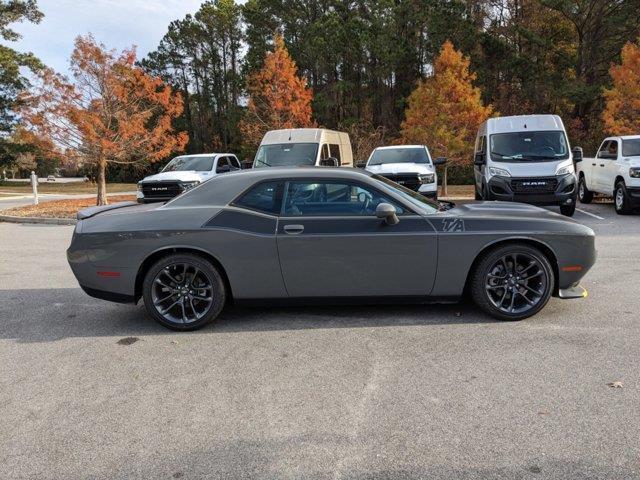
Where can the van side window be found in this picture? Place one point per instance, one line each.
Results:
(325, 152)
(334, 151)
(481, 146)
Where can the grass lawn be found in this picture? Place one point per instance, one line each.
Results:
(62, 208)
(65, 188)
(457, 191)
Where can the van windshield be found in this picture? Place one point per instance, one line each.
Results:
(399, 155)
(189, 163)
(529, 146)
(631, 147)
(286, 155)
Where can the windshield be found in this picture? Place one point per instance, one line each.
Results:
(631, 148)
(529, 146)
(286, 155)
(423, 203)
(186, 163)
(399, 155)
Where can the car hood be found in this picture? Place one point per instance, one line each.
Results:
(180, 176)
(495, 209)
(404, 167)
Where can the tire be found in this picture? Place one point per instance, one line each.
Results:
(584, 194)
(183, 292)
(568, 210)
(512, 300)
(621, 199)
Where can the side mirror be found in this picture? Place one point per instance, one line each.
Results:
(246, 164)
(387, 212)
(478, 159)
(329, 162)
(577, 154)
(223, 169)
(361, 164)
(440, 161)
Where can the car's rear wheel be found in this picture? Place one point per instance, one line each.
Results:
(512, 282)
(584, 194)
(183, 292)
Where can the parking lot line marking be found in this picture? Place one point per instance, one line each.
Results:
(590, 214)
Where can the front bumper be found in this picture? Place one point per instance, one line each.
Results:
(557, 191)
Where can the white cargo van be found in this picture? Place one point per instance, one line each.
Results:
(526, 158)
(304, 146)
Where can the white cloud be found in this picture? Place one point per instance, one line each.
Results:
(116, 23)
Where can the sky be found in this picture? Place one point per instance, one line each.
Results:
(116, 23)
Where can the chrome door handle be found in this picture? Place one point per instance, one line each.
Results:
(293, 229)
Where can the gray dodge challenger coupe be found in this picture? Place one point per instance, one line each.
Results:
(312, 234)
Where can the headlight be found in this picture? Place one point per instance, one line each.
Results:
(189, 185)
(634, 172)
(427, 178)
(499, 172)
(567, 169)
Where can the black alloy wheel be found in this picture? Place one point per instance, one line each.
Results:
(183, 292)
(512, 282)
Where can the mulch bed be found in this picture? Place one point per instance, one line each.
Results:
(62, 208)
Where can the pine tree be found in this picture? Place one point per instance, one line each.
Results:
(278, 98)
(445, 110)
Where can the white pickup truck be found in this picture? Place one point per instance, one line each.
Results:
(615, 171)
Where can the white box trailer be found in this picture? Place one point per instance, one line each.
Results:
(304, 146)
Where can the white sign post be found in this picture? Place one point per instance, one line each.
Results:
(34, 186)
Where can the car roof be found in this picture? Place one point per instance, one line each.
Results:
(519, 123)
(386, 147)
(203, 154)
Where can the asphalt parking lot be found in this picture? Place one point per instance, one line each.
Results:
(90, 389)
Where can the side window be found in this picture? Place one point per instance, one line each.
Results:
(604, 149)
(234, 162)
(613, 150)
(222, 162)
(333, 198)
(265, 197)
(324, 152)
(334, 151)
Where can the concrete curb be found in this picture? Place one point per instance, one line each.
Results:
(40, 220)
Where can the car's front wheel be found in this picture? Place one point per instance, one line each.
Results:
(512, 282)
(183, 292)
(621, 199)
(568, 210)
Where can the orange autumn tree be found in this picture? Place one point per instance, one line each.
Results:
(621, 115)
(278, 98)
(112, 113)
(445, 110)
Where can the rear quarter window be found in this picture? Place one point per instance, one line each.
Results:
(265, 197)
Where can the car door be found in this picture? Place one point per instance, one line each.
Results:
(596, 167)
(608, 167)
(331, 243)
(478, 169)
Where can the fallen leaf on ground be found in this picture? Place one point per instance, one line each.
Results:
(615, 384)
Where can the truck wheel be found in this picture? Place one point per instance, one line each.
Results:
(621, 199)
(512, 282)
(584, 195)
(568, 210)
(183, 292)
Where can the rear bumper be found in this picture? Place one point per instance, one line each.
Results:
(109, 296)
(564, 193)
